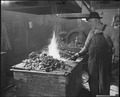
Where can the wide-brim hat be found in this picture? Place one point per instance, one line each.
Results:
(93, 15)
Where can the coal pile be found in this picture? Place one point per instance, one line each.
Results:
(43, 62)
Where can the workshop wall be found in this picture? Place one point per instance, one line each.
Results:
(25, 36)
(107, 15)
(28, 32)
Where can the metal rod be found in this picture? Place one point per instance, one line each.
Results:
(7, 88)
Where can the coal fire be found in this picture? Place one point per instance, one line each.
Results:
(46, 61)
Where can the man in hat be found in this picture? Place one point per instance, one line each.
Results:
(99, 46)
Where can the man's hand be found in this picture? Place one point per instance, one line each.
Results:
(74, 57)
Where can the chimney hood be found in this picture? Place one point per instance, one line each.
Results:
(40, 7)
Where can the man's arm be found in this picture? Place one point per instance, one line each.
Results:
(87, 42)
(85, 48)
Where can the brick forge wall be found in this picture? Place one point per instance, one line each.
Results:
(74, 81)
(39, 85)
(48, 85)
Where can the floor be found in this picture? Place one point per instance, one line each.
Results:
(114, 87)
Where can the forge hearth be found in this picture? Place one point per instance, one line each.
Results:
(57, 83)
(43, 62)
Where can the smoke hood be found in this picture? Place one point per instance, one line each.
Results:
(43, 7)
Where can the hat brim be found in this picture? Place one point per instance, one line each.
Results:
(94, 17)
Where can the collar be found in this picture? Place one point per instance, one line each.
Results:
(99, 27)
(98, 31)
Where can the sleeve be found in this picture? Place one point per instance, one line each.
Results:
(87, 42)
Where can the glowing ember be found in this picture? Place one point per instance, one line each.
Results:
(53, 48)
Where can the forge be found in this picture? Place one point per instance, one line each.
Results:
(57, 83)
(48, 74)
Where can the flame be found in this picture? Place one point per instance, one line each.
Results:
(53, 48)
